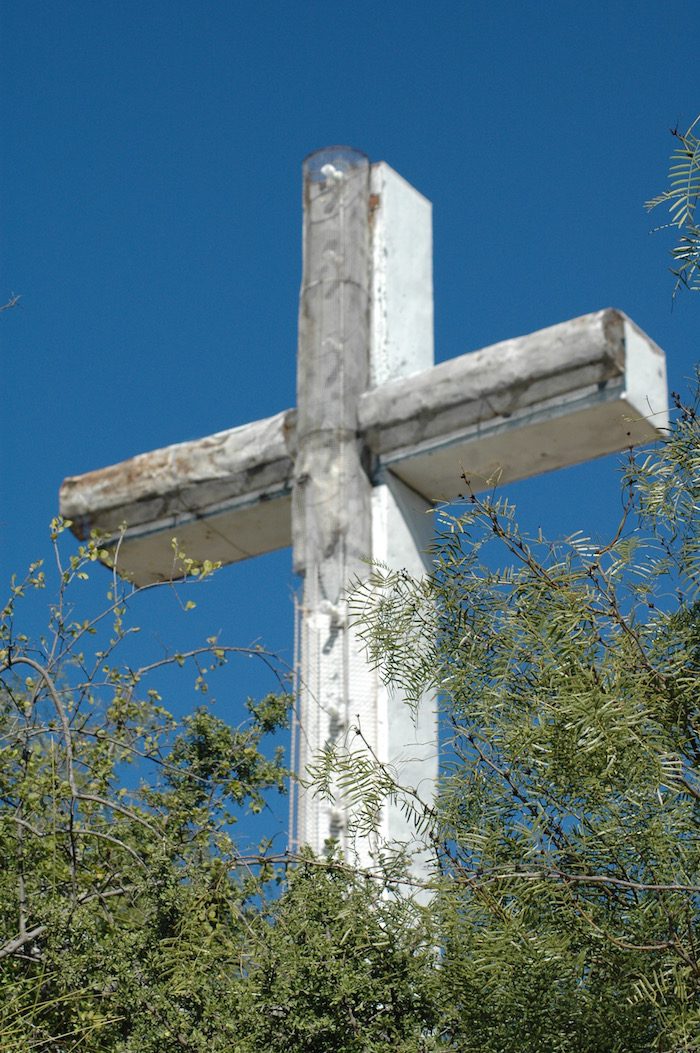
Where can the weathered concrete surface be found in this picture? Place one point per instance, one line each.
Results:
(407, 736)
(402, 343)
(242, 529)
(225, 497)
(574, 391)
(338, 689)
(331, 498)
(571, 392)
(331, 518)
(401, 230)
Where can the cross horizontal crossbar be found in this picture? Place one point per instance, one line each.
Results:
(574, 391)
(214, 494)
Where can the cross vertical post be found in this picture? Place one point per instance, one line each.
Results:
(331, 531)
(354, 330)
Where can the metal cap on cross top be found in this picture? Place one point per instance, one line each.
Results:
(379, 435)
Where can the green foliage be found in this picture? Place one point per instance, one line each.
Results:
(340, 966)
(567, 878)
(123, 895)
(131, 920)
(682, 198)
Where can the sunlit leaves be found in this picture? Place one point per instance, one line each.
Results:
(114, 817)
(681, 197)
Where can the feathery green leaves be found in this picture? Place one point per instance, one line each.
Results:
(681, 196)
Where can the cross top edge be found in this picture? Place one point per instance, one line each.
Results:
(333, 162)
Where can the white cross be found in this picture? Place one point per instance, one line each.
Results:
(378, 436)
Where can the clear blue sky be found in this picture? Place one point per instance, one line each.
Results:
(151, 217)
